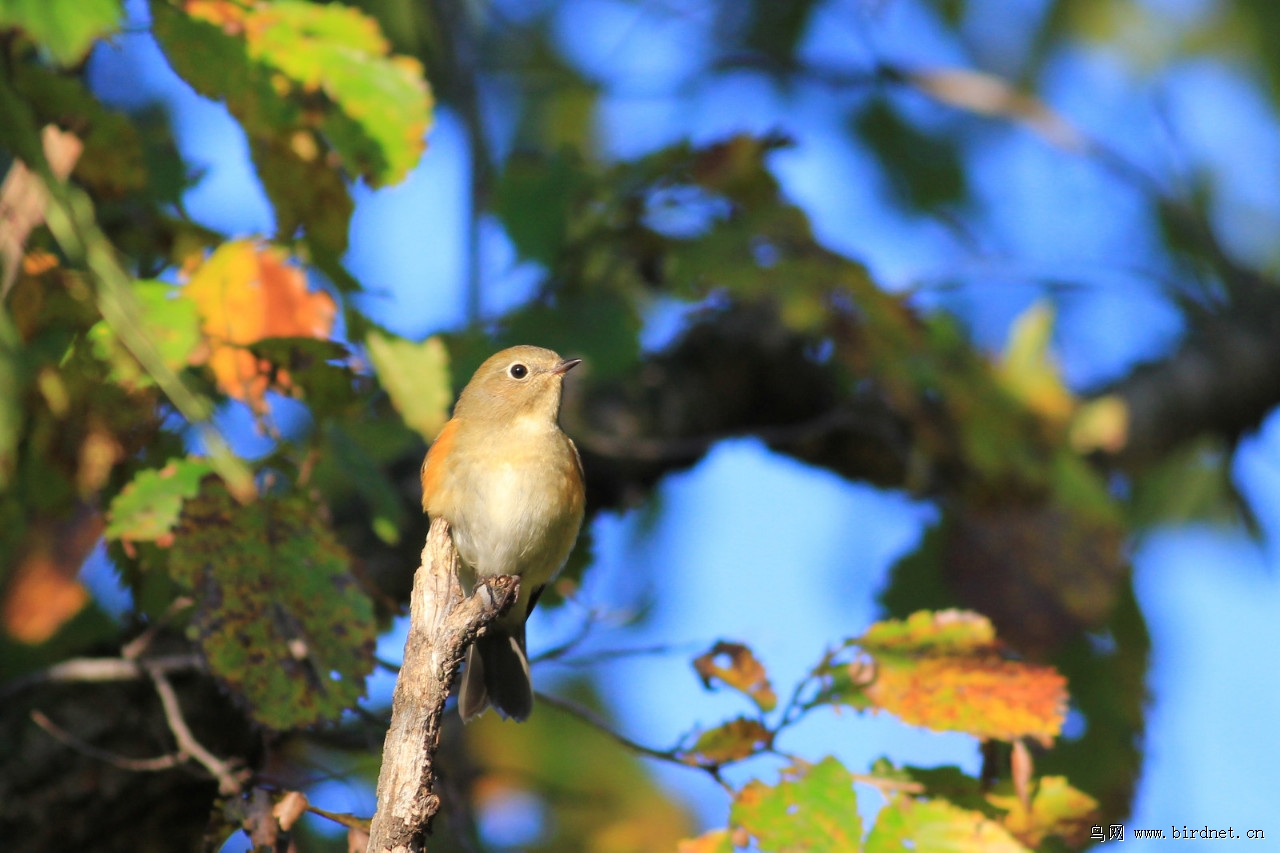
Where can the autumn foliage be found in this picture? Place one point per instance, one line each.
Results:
(232, 682)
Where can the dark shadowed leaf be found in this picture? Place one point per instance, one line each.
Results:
(278, 615)
(923, 168)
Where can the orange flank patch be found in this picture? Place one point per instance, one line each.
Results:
(433, 465)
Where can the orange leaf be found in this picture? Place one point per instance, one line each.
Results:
(41, 598)
(946, 671)
(984, 696)
(713, 841)
(741, 670)
(246, 292)
(43, 592)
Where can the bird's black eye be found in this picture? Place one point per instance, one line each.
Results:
(518, 371)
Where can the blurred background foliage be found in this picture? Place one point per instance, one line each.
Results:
(701, 281)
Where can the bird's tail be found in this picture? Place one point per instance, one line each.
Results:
(497, 673)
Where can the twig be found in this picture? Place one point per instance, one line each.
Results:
(442, 623)
(348, 820)
(228, 781)
(885, 786)
(590, 718)
(605, 655)
(671, 756)
(139, 644)
(102, 669)
(679, 448)
(164, 762)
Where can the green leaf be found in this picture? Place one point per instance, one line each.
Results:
(534, 201)
(416, 377)
(1057, 809)
(169, 319)
(938, 827)
(113, 161)
(305, 190)
(148, 507)
(11, 413)
(813, 810)
(599, 324)
(66, 28)
(288, 65)
(280, 619)
(923, 168)
(363, 473)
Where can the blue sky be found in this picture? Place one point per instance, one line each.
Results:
(808, 577)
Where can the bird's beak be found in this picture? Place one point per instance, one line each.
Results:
(565, 366)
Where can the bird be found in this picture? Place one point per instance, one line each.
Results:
(510, 483)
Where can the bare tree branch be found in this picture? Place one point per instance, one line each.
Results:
(442, 623)
(163, 762)
(103, 669)
(229, 782)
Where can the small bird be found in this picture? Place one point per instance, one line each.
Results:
(509, 482)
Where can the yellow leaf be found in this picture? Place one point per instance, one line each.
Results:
(714, 841)
(732, 741)
(1027, 370)
(735, 665)
(1056, 809)
(1101, 424)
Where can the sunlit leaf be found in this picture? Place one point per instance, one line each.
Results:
(170, 319)
(1100, 424)
(712, 841)
(732, 741)
(937, 826)
(812, 810)
(944, 671)
(416, 377)
(1056, 809)
(279, 617)
(66, 28)
(148, 507)
(1027, 369)
(373, 109)
(735, 665)
(245, 293)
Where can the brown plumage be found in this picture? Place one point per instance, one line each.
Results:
(509, 482)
